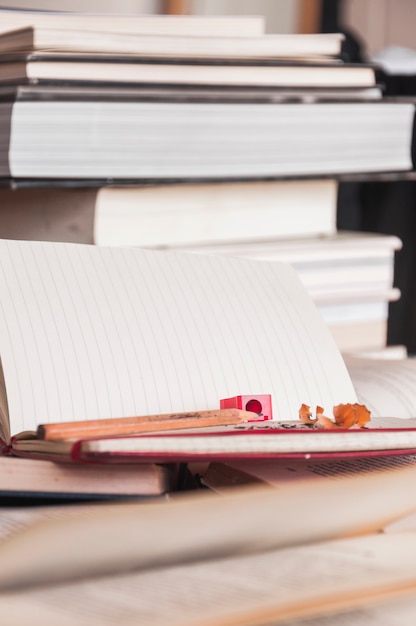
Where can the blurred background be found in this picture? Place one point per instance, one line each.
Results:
(379, 23)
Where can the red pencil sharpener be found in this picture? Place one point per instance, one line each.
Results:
(262, 405)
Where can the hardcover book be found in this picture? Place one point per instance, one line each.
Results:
(67, 134)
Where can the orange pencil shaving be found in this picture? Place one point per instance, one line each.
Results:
(143, 424)
(345, 416)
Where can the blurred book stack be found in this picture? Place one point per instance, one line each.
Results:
(202, 133)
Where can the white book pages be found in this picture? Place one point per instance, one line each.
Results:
(89, 332)
(221, 213)
(386, 386)
(196, 140)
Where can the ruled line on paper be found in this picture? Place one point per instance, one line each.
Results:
(273, 310)
(24, 390)
(264, 352)
(8, 315)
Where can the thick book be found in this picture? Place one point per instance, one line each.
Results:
(170, 215)
(37, 480)
(129, 68)
(250, 556)
(66, 135)
(186, 92)
(167, 46)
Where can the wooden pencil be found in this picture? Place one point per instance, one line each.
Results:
(143, 423)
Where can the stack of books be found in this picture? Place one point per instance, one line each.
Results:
(187, 131)
(123, 106)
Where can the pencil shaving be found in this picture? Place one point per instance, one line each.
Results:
(344, 416)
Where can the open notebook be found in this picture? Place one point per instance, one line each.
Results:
(91, 332)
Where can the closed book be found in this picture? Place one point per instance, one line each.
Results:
(169, 215)
(33, 38)
(220, 476)
(24, 479)
(130, 68)
(61, 135)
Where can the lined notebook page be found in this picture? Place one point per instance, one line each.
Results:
(89, 332)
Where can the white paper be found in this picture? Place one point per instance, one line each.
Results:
(89, 332)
